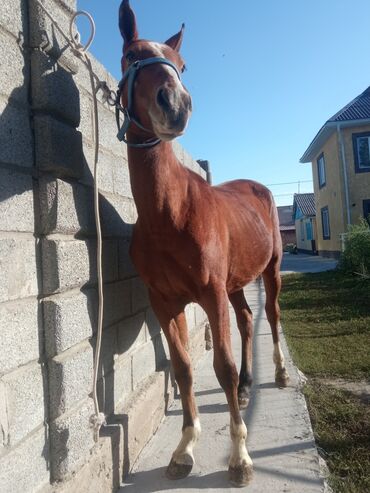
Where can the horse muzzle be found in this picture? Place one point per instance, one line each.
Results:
(174, 107)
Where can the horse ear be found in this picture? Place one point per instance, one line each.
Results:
(127, 22)
(175, 41)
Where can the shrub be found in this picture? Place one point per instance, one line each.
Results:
(356, 256)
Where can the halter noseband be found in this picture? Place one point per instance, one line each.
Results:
(129, 77)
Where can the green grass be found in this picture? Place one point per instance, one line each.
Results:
(326, 321)
(342, 429)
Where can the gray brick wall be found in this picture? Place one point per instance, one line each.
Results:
(48, 292)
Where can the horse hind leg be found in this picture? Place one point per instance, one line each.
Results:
(244, 320)
(175, 330)
(272, 282)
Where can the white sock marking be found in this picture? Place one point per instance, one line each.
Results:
(184, 451)
(239, 453)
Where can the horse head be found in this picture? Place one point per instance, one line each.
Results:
(152, 93)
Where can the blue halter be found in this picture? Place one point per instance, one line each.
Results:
(129, 77)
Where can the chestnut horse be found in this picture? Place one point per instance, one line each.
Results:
(193, 242)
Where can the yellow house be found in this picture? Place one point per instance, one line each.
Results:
(340, 157)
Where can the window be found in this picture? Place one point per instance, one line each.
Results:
(325, 223)
(321, 170)
(361, 150)
(366, 207)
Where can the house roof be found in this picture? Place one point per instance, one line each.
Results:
(306, 204)
(286, 221)
(357, 112)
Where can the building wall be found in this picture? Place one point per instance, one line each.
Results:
(48, 295)
(358, 183)
(304, 244)
(331, 196)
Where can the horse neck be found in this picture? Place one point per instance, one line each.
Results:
(158, 182)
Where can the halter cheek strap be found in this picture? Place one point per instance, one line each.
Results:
(129, 77)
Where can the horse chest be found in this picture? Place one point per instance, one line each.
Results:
(172, 266)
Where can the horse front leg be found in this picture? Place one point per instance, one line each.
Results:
(173, 322)
(215, 303)
(244, 320)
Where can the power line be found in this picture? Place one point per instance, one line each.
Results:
(288, 183)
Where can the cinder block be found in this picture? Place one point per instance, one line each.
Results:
(58, 147)
(105, 175)
(109, 349)
(140, 298)
(54, 89)
(83, 80)
(25, 401)
(108, 132)
(118, 214)
(72, 440)
(18, 272)
(152, 323)
(145, 411)
(131, 333)
(126, 268)
(69, 319)
(16, 197)
(86, 124)
(121, 176)
(70, 378)
(117, 302)
(72, 263)
(14, 75)
(143, 362)
(21, 333)
(16, 141)
(66, 208)
(13, 17)
(25, 468)
(42, 31)
(122, 379)
(162, 354)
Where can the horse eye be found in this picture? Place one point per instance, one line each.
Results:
(130, 57)
(184, 67)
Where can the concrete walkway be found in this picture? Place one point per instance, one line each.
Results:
(280, 439)
(306, 263)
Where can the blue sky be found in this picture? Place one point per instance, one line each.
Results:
(264, 75)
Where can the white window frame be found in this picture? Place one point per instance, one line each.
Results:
(321, 170)
(325, 223)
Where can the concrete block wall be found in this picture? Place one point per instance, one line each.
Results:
(48, 292)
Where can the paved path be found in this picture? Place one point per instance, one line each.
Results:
(306, 263)
(280, 439)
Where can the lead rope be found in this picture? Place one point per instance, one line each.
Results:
(79, 50)
(97, 420)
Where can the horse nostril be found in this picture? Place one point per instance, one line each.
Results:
(163, 99)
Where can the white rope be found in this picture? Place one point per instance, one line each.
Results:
(97, 419)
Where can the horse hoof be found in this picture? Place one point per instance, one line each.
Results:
(282, 378)
(243, 397)
(243, 401)
(178, 471)
(240, 475)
